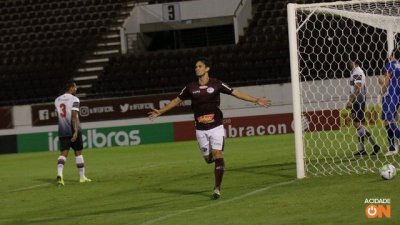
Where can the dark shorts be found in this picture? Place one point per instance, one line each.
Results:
(389, 107)
(66, 144)
(358, 111)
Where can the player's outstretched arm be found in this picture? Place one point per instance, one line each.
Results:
(154, 113)
(263, 101)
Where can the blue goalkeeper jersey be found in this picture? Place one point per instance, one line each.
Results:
(393, 68)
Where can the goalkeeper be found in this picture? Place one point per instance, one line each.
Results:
(391, 99)
(357, 105)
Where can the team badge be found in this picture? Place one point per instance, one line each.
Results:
(210, 90)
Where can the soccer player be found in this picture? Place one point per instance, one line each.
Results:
(69, 132)
(356, 103)
(210, 133)
(391, 98)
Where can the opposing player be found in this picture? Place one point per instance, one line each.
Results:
(69, 132)
(205, 96)
(391, 98)
(357, 105)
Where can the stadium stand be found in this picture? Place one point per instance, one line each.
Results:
(260, 57)
(42, 43)
(45, 42)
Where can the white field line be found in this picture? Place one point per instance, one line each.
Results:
(218, 202)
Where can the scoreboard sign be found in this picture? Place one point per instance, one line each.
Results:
(171, 12)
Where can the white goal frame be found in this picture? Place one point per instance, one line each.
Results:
(294, 61)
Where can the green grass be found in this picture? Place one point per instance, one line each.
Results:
(323, 149)
(171, 184)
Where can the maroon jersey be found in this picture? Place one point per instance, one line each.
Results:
(205, 102)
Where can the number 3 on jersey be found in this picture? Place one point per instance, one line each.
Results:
(63, 112)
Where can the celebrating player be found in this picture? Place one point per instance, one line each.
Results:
(357, 105)
(69, 132)
(205, 96)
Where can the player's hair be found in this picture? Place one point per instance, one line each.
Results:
(204, 60)
(69, 85)
(353, 57)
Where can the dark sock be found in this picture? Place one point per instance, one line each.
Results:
(361, 142)
(219, 172)
(395, 130)
(361, 138)
(390, 136)
(370, 138)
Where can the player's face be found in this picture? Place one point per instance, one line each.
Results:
(74, 89)
(350, 64)
(201, 69)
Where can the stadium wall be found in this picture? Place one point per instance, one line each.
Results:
(241, 119)
(187, 13)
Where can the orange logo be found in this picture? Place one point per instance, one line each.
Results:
(209, 118)
(377, 211)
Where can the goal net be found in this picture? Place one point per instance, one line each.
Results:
(322, 38)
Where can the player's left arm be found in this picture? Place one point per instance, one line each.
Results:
(75, 126)
(157, 112)
(263, 101)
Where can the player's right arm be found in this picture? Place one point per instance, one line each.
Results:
(157, 112)
(384, 82)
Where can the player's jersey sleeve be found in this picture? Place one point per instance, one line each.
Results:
(393, 68)
(185, 93)
(226, 89)
(75, 104)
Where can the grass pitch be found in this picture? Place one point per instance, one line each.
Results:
(171, 184)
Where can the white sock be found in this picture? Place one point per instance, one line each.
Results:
(60, 165)
(80, 165)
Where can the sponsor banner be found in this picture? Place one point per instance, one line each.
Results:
(265, 125)
(6, 118)
(35, 142)
(321, 120)
(372, 116)
(184, 131)
(8, 144)
(110, 109)
(100, 137)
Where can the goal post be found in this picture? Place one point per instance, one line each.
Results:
(322, 36)
(298, 133)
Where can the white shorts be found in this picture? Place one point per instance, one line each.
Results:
(211, 139)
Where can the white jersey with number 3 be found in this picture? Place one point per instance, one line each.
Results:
(358, 77)
(65, 104)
